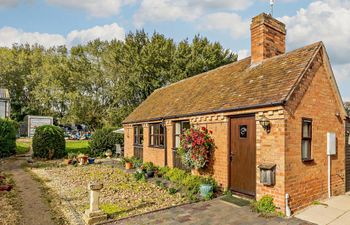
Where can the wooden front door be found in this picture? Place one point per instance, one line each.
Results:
(243, 154)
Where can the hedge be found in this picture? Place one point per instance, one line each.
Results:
(105, 139)
(8, 131)
(49, 142)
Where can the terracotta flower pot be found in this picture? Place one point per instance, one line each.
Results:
(195, 172)
(68, 161)
(128, 165)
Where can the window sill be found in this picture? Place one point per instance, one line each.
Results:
(307, 160)
(159, 147)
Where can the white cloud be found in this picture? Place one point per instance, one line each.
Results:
(185, 10)
(243, 53)
(106, 32)
(96, 8)
(230, 22)
(12, 3)
(10, 36)
(322, 20)
(326, 21)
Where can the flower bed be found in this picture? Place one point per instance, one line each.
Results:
(122, 195)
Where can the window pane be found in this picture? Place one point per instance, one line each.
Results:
(156, 129)
(306, 151)
(178, 128)
(152, 140)
(306, 129)
(152, 129)
(156, 140)
(177, 141)
(186, 125)
(161, 140)
(161, 129)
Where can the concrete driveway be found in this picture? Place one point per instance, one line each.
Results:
(335, 211)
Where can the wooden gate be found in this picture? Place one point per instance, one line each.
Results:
(347, 156)
(243, 155)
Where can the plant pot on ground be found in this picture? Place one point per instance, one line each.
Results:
(109, 153)
(206, 190)
(128, 165)
(91, 160)
(149, 168)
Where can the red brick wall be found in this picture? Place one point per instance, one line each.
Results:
(306, 182)
(270, 150)
(268, 37)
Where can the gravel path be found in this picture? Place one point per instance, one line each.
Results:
(35, 210)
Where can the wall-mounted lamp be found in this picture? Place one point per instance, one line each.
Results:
(265, 123)
(337, 114)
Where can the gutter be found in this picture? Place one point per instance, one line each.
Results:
(279, 103)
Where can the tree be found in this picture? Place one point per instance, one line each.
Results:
(101, 82)
(347, 107)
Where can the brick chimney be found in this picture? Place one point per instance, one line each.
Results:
(268, 38)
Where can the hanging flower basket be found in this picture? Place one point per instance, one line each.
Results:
(196, 147)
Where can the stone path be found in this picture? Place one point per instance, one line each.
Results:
(35, 210)
(335, 211)
(214, 212)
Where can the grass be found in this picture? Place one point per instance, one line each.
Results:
(23, 146)
(81, 146)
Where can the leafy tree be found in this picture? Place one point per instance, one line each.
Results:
(101, 82)
(347, 107)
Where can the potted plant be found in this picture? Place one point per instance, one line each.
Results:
(70, 158)
(127, 163)
(109, 153)
(149, 169)
(82, 158)
(207, 187)
(91, 160)
(196, 147)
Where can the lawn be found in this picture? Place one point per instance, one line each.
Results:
(122, 195)
(23, 145)
(82, 146)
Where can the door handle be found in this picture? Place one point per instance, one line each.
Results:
(231, 157)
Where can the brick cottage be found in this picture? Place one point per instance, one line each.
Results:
(270, 114)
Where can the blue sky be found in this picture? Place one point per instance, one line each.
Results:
(71, 22)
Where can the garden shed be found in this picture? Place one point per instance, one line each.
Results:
(4, 103)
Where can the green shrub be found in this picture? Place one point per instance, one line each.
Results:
(49, 143)
(104, 139)
(8, 131)
(264, 206)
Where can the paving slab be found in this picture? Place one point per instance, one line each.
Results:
(341, 202)
(214, 212)
(320, 214)
(342, 220)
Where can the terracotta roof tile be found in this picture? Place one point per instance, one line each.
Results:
(233, 86)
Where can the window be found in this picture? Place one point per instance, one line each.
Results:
(243, 131)
(178, 130)
(138, 135)
(306, 140)
(156, 135)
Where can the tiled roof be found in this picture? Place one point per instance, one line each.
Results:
(4, 94)
(234, 86)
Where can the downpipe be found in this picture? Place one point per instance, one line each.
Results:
(288, 211)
